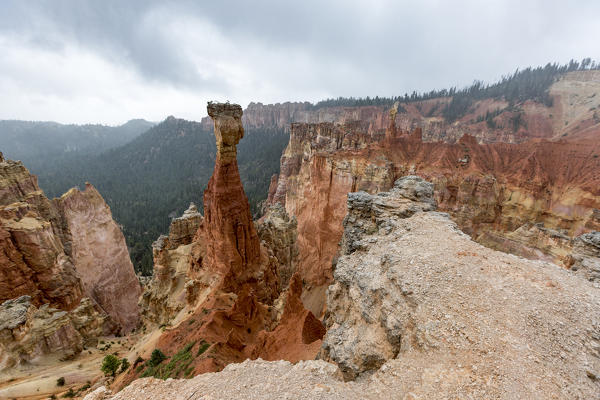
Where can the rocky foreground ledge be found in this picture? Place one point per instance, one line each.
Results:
(420, 311)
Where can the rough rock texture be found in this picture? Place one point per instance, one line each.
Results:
(574, 115)
(449, 312)
(69, 259)
(248, 380)
(34, 259)
(184, 228)
(358, 345)
(298, 332)
(224, 288)
(91, 322)
(368, 214)
(279, 232)
(165, 294)
(100, 255)
(27, 333)
(586, 256)
(232, 245)
(491, 190)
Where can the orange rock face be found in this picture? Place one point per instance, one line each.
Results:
(487, 188)
(232, 245)
(235, 301)
(34, 259)
(298, 334)
(59, 252)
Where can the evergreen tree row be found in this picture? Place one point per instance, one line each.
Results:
(527, 84)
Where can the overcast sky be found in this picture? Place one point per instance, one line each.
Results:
(109, 61)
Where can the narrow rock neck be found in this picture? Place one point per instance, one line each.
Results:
(233, 244)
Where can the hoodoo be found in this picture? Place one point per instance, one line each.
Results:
(232, 245)
(238, 299)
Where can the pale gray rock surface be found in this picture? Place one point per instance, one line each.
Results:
(586, 256)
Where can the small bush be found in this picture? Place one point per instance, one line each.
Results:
(124, 364)
(70, 393)
(202, 348)
(60, 381)
(110, 364)
(177, 366)
(156, 358)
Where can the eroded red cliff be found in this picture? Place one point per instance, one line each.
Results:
(239, 303)
(491, 190)
(65, 276)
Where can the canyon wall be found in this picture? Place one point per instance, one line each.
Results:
(223, 290)
(100, 255)
(525, 198)
(67, 262)
(165, 295)
(411, 291)
(416, 310)
(35, 251)
(574, 114)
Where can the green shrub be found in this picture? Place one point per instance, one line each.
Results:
(60, 381)
(110, 364)
(124, 364)
(178, 365)
(202, 348)
(70, 393)
(156, 358)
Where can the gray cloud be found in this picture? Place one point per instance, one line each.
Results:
(154, 58)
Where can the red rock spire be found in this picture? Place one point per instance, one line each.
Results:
(233, 247)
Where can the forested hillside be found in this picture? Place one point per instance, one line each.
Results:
(38, 144)
(154, 178)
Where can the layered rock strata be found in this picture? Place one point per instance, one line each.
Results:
(70, 261)
(28, 333)
(419, 310)
(34, 257)
(100, 255)
(508, 196)
(410, 287)
(585, 257)
(278, 232)
(230, 288)
(232, 244)
(165, 294)
(574, 114)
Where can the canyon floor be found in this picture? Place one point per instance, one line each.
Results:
(39, 381)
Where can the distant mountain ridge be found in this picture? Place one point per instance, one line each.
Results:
(36, 143)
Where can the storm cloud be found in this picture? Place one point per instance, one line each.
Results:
(111, 60)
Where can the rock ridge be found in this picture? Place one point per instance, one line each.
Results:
(412, 295)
